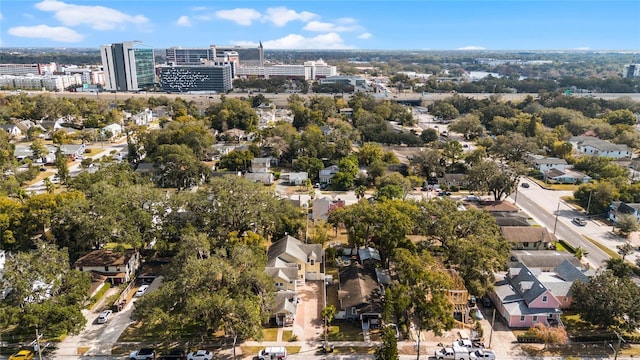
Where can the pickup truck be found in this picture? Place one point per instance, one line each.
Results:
(447, 353)
(143, 354)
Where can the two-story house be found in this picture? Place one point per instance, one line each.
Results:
(528, 238)
(291, 253)
(618, 208)
(328, 173)
(359, 294)
(118, 267)
(589, 145)
(548, 163)
(523, 300)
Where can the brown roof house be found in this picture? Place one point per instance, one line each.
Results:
(118, 267)
(359, 294)
(291, 253)
(528, 238)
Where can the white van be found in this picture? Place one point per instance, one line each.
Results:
(273, 353)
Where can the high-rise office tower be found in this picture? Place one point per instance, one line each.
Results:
(128, 66)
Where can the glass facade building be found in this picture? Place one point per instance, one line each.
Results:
(128, 66)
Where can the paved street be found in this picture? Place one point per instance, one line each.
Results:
(542, 205)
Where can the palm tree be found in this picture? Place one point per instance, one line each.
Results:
(581, 253)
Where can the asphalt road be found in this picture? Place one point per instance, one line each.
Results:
(538, 203)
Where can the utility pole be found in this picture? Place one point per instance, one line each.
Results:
(589, 202)
(555, 225)
(37, 344)
(493, 321)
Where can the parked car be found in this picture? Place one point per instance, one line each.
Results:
(482, 354)
(142, 290)
(104, 316)
(22, 355)
(579, 221)
(143, 354)
(486, 302)
(525, 185)
(175, 354)
(200, 355)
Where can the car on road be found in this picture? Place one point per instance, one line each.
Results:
(200, 355)
(579, 221)
(22, 355)
(104, 316)
(143, 354)
(142, 290)
(525, 185)
(482, 354)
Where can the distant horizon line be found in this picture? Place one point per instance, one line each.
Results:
(348, 50)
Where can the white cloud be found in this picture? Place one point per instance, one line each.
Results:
(472, 47)
(280, 16)
(319, 26)
(98, 17)
(55, 33)
(365, 36)
(241, 16)
(183, 21)
(199, 8)
(584, 48)
(0, 16)
(295, 41)
(340, 25)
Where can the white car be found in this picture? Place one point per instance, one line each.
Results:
(104, 316)
(141, 290)
(483, 354)
(200, 355)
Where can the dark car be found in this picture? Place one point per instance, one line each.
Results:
(525, 185)
(486, 302)
(174, 354)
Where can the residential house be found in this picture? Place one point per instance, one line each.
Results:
(495, 206)
(265, 178)
(294, 178)
(528, 238)
(359, 294)
(323, 206)
(457, 180)
(511, 219)
(567, 176)
(290, 252)
(328, 173)
(589, 145)
(111, 131)
(142, 118)
(619, 208)
(402, 169)
(12, 130)
(285, 306)
(545, 260)
(369, 256)
(523, 300)
(73, 151)
(118, 267)
(326, 130)
(548, 163)
(560, 280)
(285, 278)
(346, 111)
(261, 165)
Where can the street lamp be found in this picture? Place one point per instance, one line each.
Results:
(555, 225)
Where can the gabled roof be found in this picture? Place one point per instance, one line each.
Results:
(550, 161)
(553, 173)
(295, 248)
(359, 288)
(369, 253)
(548, 259)
(569, 272)
(520, 234)
(284, 302)
(285, 273)
(520, 283)
(104, 258)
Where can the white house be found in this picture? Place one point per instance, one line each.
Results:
(549, 163)
(12, 129)
(142, 118)
(589, 145)
(114, 129)
(328, 173)
(117, 267)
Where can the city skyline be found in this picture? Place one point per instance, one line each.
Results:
(359, 24)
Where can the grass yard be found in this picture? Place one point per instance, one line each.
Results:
(287, 335)
(608, 251)
(270, 334)
(345, 331)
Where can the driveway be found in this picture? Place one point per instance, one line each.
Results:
(308, 324)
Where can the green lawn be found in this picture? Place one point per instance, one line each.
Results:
(345, 331)
(270, 334)
(287, 335)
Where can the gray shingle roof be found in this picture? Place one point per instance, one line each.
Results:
(359, 288)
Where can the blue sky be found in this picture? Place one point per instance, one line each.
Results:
(326, 24)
